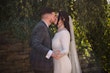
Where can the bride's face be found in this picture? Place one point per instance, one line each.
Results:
(59, 22)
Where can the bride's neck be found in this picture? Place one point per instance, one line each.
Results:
(61, 27)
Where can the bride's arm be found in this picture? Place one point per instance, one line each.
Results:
(65, 42)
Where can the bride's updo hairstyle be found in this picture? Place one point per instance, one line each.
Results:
(65, 18)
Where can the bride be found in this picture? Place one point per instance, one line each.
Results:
(67, 60)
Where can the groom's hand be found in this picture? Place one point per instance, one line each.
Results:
(55, 54)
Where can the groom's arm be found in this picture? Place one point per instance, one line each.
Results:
(53, 54)
(37, 38)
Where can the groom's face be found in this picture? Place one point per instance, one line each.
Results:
(53, 17)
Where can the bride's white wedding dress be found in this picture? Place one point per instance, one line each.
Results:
(61, 41)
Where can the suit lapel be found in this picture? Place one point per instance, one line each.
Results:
(48, 33)
(47, 29)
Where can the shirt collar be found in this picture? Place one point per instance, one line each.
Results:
(45, 23)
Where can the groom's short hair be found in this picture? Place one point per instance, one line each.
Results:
(46, 10)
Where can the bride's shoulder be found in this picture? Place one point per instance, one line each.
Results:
(64, 32)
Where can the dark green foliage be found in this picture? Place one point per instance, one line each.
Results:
(91, 15)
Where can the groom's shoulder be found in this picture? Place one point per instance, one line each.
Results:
(39, 25)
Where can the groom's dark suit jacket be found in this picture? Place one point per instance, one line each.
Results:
(40, 44)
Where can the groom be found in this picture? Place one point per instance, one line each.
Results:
(41, 56)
